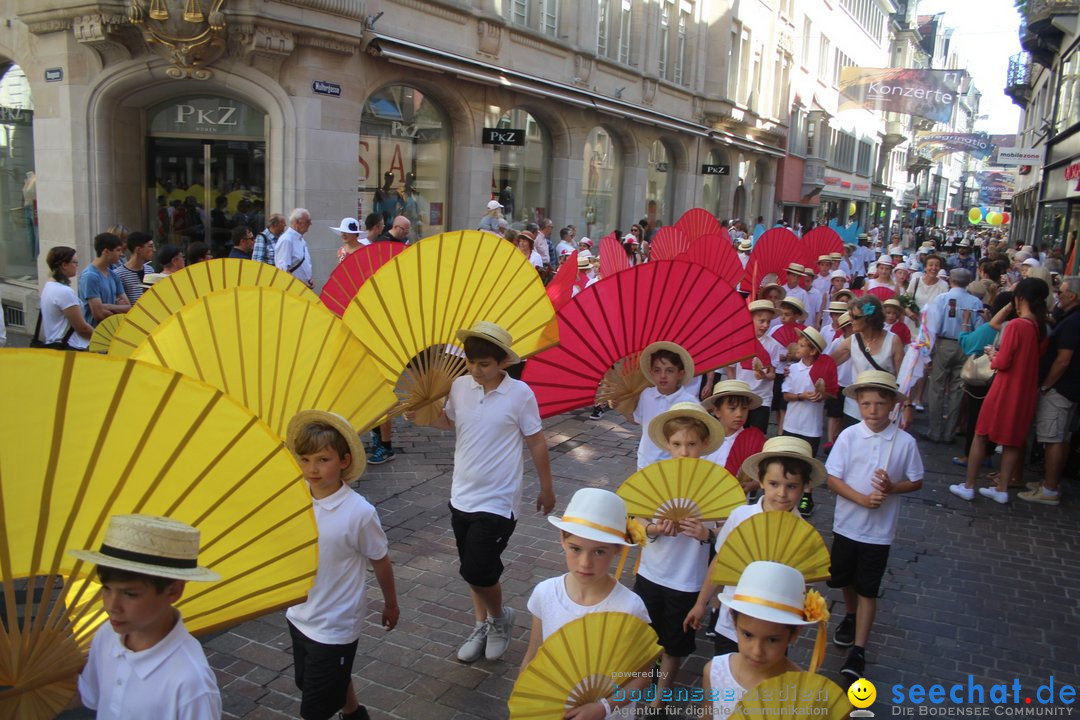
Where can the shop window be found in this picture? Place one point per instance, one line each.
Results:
(600, 183)
(404, 160)
(715, 186)
(659, 187)
(519, 173)
(19, 242)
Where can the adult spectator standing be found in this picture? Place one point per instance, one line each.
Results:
(566, 243)
(951, 314)
(925, 286)
(243, 242)
(398, 232)
(170, 259)
(1059, 391)
(267, 239)
(100, 289)
(291, 250)
(373, 227)
(196, 252)
(131, 273)
(963, 258)
(61, 312)
(543, 244)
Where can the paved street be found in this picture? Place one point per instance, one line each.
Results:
(974, 589)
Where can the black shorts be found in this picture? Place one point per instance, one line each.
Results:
(857, 564)
(814, 441)
(322, 674)
(759, 418)
(667, 610)
(778, 401)
(834, 407)
(481, 538)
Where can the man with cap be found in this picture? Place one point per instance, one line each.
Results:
(951, 313)
(963, 257)
(863, 255)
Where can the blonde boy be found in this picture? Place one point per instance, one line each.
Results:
(759, 372)
(669, 369)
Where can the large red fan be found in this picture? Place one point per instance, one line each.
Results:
(715, 253)
(668, 243)
(607, 324)
(351, 273)
(823, 240)
(697, 222)
(761, 358)
(823, 374)
(561, 287)
(882, 292)
(773, 252)
(612, 256)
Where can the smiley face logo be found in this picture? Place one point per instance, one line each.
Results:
(862, 693)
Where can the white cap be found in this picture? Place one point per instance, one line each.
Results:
(1032, 262)
(494, 205)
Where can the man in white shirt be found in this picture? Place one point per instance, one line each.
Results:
(291, 250)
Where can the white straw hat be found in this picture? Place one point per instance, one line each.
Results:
(731, 388)
(761, 305)
(645, 360)
(745, 245)
(771, 592)
(692, 411)
(493, 334)
(151, 545)
(348, 225)
(795, 303)
(784, 446)
(878, 379)
(814, 337)
(595, 514)
(356, 447)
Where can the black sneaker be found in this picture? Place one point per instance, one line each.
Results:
(359, 713)
(597, 412)
(845, 632)
(806, 506)
(854, 666)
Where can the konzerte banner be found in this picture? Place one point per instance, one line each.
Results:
(978, 145)
(927, 93)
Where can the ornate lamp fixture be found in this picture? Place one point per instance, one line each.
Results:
(180, 31)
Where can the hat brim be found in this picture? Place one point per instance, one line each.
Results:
(785, 301)
(511, 356)
(714, 426)
(347, 231)
(749, 467)
(810, 339)
(584, 531)
(853, 388)
(712, 400)
(761, 612)
(688, 361)
(358, 459)
(195, 574)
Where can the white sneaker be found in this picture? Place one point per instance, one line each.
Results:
(962, 491)
(473, 648)
(498, 635)
(1001, 498)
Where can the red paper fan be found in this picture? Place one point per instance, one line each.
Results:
(616, 318)
(715, 253)
(824, 370)
(760, 354)
(823, 240)
(773, 252)
(668, 243)
(697, 222)
(612, 256)
(882, 292)
(561, 287)
(351, 273)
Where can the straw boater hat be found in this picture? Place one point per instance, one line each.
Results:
(844, 291)
(584, 260)
(814, 338)
(493, 334)
(826, 258)
(796, 269)
(150, 278)
(765, 287)
(795, 303)
(745, 245)
(836, 256)
(349, 226)
(595, 514)
(645, 360)
(784, 446)
(837, 307)
(151, 545)
(759, 305)
(843, 321)
(695, 412)
(878, 379)
(771, 592)
(731, 388)
(356, 448)
(893, 302)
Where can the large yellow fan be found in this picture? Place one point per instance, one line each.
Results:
(408, 312)
(795, 694)
(84, 437)
(173, 292)
(581, 662)
(274, 353)
(775, 536)
(103, 334)
(681, 489)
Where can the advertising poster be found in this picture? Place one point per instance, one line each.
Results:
(927, 93)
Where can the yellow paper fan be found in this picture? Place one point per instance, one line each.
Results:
(410, 310)
(84, 437)
(171, 293)
(776, 536)
(795, 694)
(581, 662)
(103, 333)
(680, 489)
(274, 353)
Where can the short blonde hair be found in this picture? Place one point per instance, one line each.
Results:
(316, 435)
(676, 424)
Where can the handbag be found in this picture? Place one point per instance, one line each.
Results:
(61, 344)
(976, 371)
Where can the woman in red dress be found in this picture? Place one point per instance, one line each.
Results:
(1009, 408)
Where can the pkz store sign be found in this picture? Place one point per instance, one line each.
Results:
(205, 115)
(503, 136)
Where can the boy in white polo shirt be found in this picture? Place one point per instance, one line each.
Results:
(492, 414)
(871, 463)
(326, 627)
(669, 369)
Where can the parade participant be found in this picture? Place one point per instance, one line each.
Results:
(756, 372)
(325, 629)
(821, 281)
(836, 420)
(793, 287)
(291, 250)
(144, 663)
(806, 386)
(815, 301)
(492, 414)
(837, 282)
(670, 371)
(901, 276)
(744, 246)
(732, 403)
(787, 335)
(593, 531)
(894, 320)
(100, 290)
(831, 330)
(61, 315)
(870, 464)
(870, 347)
(883, 278)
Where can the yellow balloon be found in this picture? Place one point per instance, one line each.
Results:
(974, 215)
(852, 209)
(993, 217)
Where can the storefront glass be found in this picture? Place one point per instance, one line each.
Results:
(404, 160)
(519, 173)
(713, 186)
(600, 183)
(658, 201)
(1053, 225)
(18, 185)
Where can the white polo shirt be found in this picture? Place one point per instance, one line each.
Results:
(349, 536)
(857, 453)
(720, 455)
(650, 404)
(803, 417)
(762, 388)
(489, 463)
(170, 680)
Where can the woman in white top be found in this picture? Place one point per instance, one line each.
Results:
(870, 347)
(926, 285)
(61, 310)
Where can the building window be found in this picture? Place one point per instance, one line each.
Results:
(1068, 112)
(665, 31)
(680, 47)
(543, 16)
(549, 17)
(625, 26)
(866, 151)
(600, 180)
(823, 59)
(603, 7)
(842, 61)
(405, 159)
(868, 15)
(518, 11)
(779, 86)
(659, 184)
(19, 241)
(519, 173)
(807, 32)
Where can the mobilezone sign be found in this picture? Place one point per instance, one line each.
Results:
(911, 91)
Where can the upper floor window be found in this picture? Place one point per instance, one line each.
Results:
(1068, 111)
(614, 23)
(823, 59)
(539, 15)
(665, 32)
(868, 15)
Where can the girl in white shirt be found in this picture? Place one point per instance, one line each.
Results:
(62, 318)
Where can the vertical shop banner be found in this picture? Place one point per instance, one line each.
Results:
(995, 187)
(927, 93)
(978, 145)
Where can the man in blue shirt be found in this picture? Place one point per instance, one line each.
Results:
(100, 290)
(963, 258)
(950, 314)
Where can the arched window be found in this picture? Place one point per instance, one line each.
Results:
(659, 186)
(19, 244)
(520, 179)
(404, 160)
(600, 180)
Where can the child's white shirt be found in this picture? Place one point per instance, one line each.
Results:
(856, 454)
(725, 691)
(803, 417)
(650, 404)
(843, 370)
(762, 388)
